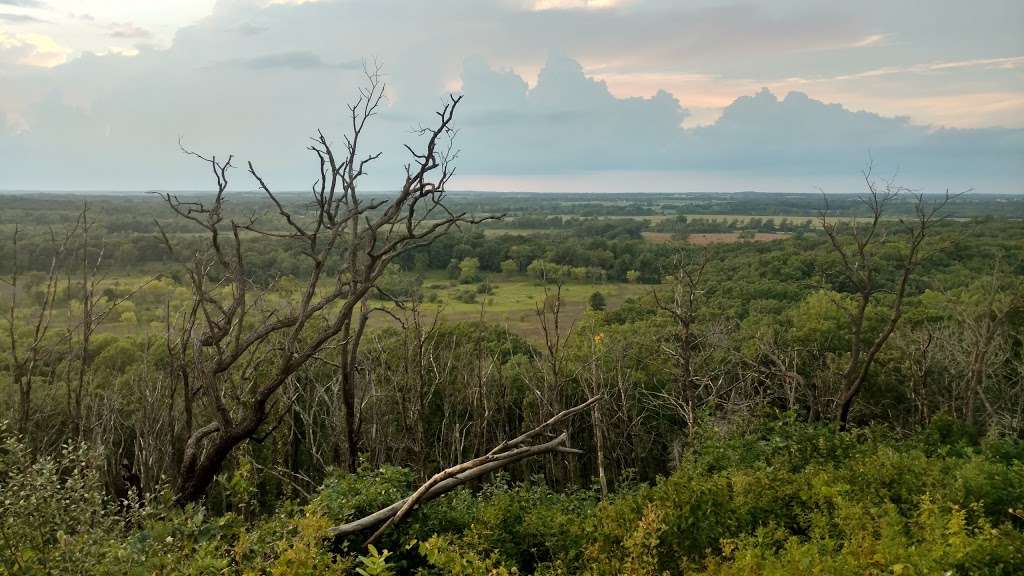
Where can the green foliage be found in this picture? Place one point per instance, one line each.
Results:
(450, 558)
(466, 296)
(346, 496)
(746, 494)
(771, 497)
(820, 320)
(117, 358)
(545, 271)
(469, 270)
(509, 267)
(374, 564)
(785, 499)
(54, 517)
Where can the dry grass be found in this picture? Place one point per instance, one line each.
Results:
(657, 237)
(732, 237)
(491, 232)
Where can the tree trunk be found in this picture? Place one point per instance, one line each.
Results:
(348, 399)
(599, 441)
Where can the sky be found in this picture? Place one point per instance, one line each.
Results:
(560, 95)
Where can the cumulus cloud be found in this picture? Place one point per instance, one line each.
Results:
(30, 49)
(257, 78)
(570, 122)
(566, 122)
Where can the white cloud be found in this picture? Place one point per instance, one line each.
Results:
(540, 5)
(871, 40)
(256, 79)
(31, 49)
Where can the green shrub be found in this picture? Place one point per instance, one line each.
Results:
(769, 497)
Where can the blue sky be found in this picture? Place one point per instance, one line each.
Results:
(561, 95)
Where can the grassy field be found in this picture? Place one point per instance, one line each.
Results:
(513, 302)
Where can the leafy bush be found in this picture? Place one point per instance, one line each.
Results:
(785, 498)
(54, 517)
(775, 497)
(466, 296)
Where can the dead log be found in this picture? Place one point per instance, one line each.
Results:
(504, 454)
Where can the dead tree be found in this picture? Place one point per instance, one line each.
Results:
(241, 352)
(504, 454)
(176, 343)
(407, 380)
(88, 323)
(983, 325)
(95, 312)
(26, 360)
(683, 308)
(917, 346)
(858, 245)
(595, 388)
(552, 396)
(783, 364)
(549, 315)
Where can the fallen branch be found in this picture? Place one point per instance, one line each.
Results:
(504, 454)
